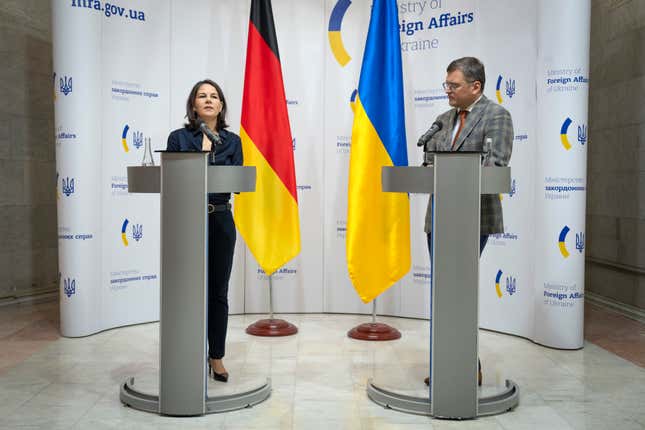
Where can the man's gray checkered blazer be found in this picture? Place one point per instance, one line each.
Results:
(487, 119)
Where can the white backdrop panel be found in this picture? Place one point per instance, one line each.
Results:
(509, 53)
(78, 119)
(562, 76)
(135, 58)
(153, 63)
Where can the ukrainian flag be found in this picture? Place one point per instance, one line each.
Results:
(378, 223)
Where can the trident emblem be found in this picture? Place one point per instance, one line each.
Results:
(511, 285)
(582, 134)
(513, 189)
(69, 287)
(510, 88)
(137, 232)
(580, 241)
(68, 186)
(66, 85)
(137, 139)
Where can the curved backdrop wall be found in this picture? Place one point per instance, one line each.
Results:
(122, 72)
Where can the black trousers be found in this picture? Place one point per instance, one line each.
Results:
(221, 245)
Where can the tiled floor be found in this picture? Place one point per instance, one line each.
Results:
(318, 376)
(615, 333)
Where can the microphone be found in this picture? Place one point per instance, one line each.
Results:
(436, 126)
(213, 136)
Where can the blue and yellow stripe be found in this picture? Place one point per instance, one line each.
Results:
(333, 32)
(352, 101)
(124, 228)
(498, 277)
(563, 134)
(498, 90)
(124, 138)
(562, 242)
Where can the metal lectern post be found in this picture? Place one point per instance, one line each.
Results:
(182, 377)
(184, 181)
(457, 180)
(455, 278)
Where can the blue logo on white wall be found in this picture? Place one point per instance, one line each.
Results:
(65, 85)
(333, 32)
(137, 139)
(511, 285)
(69, 287)
(509, 89)
(67, 185)
(562, 241)
(564, 133)
(582, 134)
(136, 232)
(580, 242)
(513, 188)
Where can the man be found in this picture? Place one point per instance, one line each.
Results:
(473, 124)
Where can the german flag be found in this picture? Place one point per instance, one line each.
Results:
(268, 218)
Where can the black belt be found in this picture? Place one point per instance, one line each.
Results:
(219, 208)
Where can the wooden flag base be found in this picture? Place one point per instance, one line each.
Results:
(374, 331)
(272, 327)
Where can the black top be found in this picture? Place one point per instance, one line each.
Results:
(229, 153)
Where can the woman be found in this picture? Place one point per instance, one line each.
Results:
(206, 103)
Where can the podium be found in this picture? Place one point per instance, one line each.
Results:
(457, 180)
(184, 180)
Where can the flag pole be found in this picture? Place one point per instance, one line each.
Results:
(271, 327)
(271, 296)
(374, 330)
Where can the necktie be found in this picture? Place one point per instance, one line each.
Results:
(462, 121)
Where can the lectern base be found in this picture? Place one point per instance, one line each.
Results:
(374, 331)
(489, 405)
(150, 402)
(272, 327)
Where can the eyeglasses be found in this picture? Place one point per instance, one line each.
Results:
(454, 87)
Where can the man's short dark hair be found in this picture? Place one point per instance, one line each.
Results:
(471, 67)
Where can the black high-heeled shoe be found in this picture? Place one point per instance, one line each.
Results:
(222, 377)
